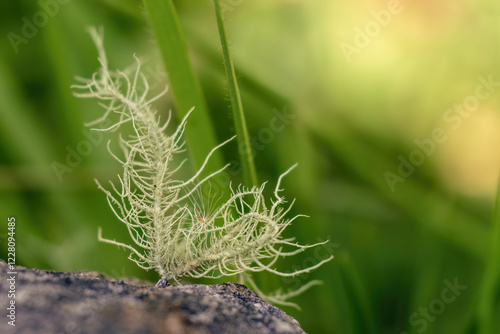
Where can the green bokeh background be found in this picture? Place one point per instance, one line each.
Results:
(350, 118)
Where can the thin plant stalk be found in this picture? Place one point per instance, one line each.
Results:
(245, 149)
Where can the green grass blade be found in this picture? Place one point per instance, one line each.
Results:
(489, 284)
(247, 81)
(359, 290)
(245, 150)
(28, 140)
(200, 134)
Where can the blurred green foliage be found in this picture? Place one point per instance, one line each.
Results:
(345, 120)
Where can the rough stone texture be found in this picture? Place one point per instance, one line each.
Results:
(86, 302)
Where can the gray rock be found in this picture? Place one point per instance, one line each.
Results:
(87, 302)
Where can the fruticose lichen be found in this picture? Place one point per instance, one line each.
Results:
(172, 232)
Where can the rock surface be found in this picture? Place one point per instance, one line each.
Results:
(87, 302)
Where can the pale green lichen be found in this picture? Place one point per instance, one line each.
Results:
(173, 233)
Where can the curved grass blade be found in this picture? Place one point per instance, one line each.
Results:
(245, 149)
(489, 285)
(200, 134)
